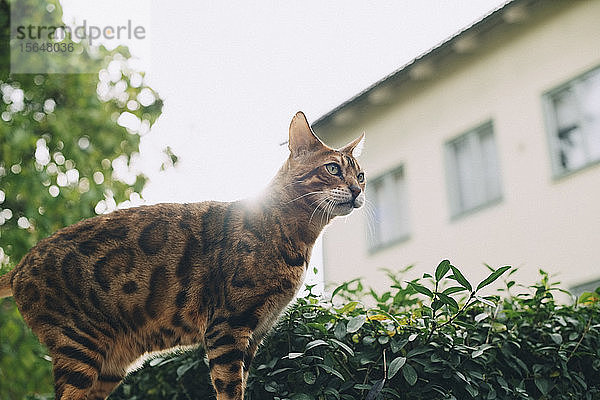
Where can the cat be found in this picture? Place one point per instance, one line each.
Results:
(103, 292)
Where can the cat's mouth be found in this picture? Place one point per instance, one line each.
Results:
(352, 204)
(343, 203)
(346, 208)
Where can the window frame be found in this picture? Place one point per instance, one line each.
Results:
(549, 111)
(457, 210)
(372, 245)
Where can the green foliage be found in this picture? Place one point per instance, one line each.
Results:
(23, 368)
(431, 338)
(59, 137)
(59, 140)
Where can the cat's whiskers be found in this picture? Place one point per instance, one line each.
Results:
(324, 210)
(317, 207)
(327, 211)
(323, 200)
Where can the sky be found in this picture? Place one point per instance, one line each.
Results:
(232, 74)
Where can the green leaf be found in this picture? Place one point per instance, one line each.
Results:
(417, 351)
(332, 371)
(344, 286)
(461, 376)
(395, 366)
(385, 297)
(338, 289)
(279, 371)
(481, 349)
(302, 396)
(588, 297)
(340, 330)
(375, 390)
(333, 392)
(543, 385)
(368, 340)
(472, 391)
(271, 387)
(449, 301)
(315, 343)
(182, 369)
(396, 346)
(356, 323)
(459, 277)
(309, 377)
(320, 327)
(493, 276)
(155, 361)
(343, 345)
(454, 289)
(442, 269)
(421, 289)
(437, 304)
(556, 338)
(348, 308)
(409, 374)
(485, 301)
(481, 316)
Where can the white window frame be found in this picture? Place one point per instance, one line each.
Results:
(575, 84)
(491, 192)
(375, 242)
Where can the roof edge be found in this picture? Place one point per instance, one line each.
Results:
(413, 62)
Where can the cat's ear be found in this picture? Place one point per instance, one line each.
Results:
(302, 138)
(355, 147)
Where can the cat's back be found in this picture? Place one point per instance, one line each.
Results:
(145, 230)
(122, 257)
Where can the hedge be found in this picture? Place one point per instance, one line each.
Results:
(433, 338)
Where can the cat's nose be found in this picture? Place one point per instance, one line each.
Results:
(355, 190)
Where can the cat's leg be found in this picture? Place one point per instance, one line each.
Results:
(226, 351)
(249, 356)
(107, 382)
(114, 368)
(73, 378)
(76, 361)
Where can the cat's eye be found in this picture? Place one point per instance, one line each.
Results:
(333, 168)
(360, 177)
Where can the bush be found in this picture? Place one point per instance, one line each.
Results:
(454, 344)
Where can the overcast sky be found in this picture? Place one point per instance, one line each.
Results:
(232, 74)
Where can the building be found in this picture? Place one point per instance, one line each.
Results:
(486, 149)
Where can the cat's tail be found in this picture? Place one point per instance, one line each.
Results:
(5, 284)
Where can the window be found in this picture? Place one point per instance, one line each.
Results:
(473, 170)
(389, 223)
(573, 114)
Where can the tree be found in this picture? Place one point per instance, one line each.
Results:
(66, 143)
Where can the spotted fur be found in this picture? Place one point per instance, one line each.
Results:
(105, 291)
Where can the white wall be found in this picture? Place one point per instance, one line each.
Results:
(541, 222)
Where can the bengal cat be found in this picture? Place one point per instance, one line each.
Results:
(105, 291)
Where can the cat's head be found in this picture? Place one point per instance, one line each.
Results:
(329, 180)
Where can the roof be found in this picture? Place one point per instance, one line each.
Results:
(511, 16)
